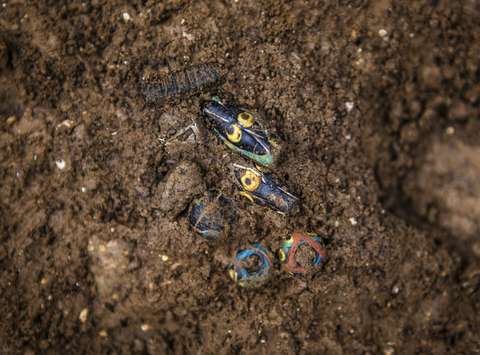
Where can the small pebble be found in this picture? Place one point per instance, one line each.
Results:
(349, 106)
(188, 36)
(145, 327)
(11, 120)
(103, 333)
(382, 32)
(60, 164)
(353, 221)
(126, 16)
(66, 123)
(83, 315)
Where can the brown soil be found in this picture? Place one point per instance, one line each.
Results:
(252, 264)
(376, 105)
(305, 256)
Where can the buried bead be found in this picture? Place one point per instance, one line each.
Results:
(252, 266)
(303, 253)
(210, 215)
(241, 131)
(263, 189)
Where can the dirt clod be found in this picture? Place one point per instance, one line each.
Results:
(305, 255)
(251, 264)
(183, 183)
(446, 188)
(109, 266)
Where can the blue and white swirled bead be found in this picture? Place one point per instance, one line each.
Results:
(262, 272)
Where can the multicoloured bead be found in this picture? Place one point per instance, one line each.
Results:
(302, 253)
(252, 266)
(210, 214)
(241, 131)
(263, 189)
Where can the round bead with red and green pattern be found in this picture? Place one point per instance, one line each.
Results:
(303, 253)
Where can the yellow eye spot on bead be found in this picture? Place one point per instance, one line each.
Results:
(250, 181)
(232, 274)
(234, 133)
(247, 196)
(282, 255)
(245, 119)
(262, 169)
